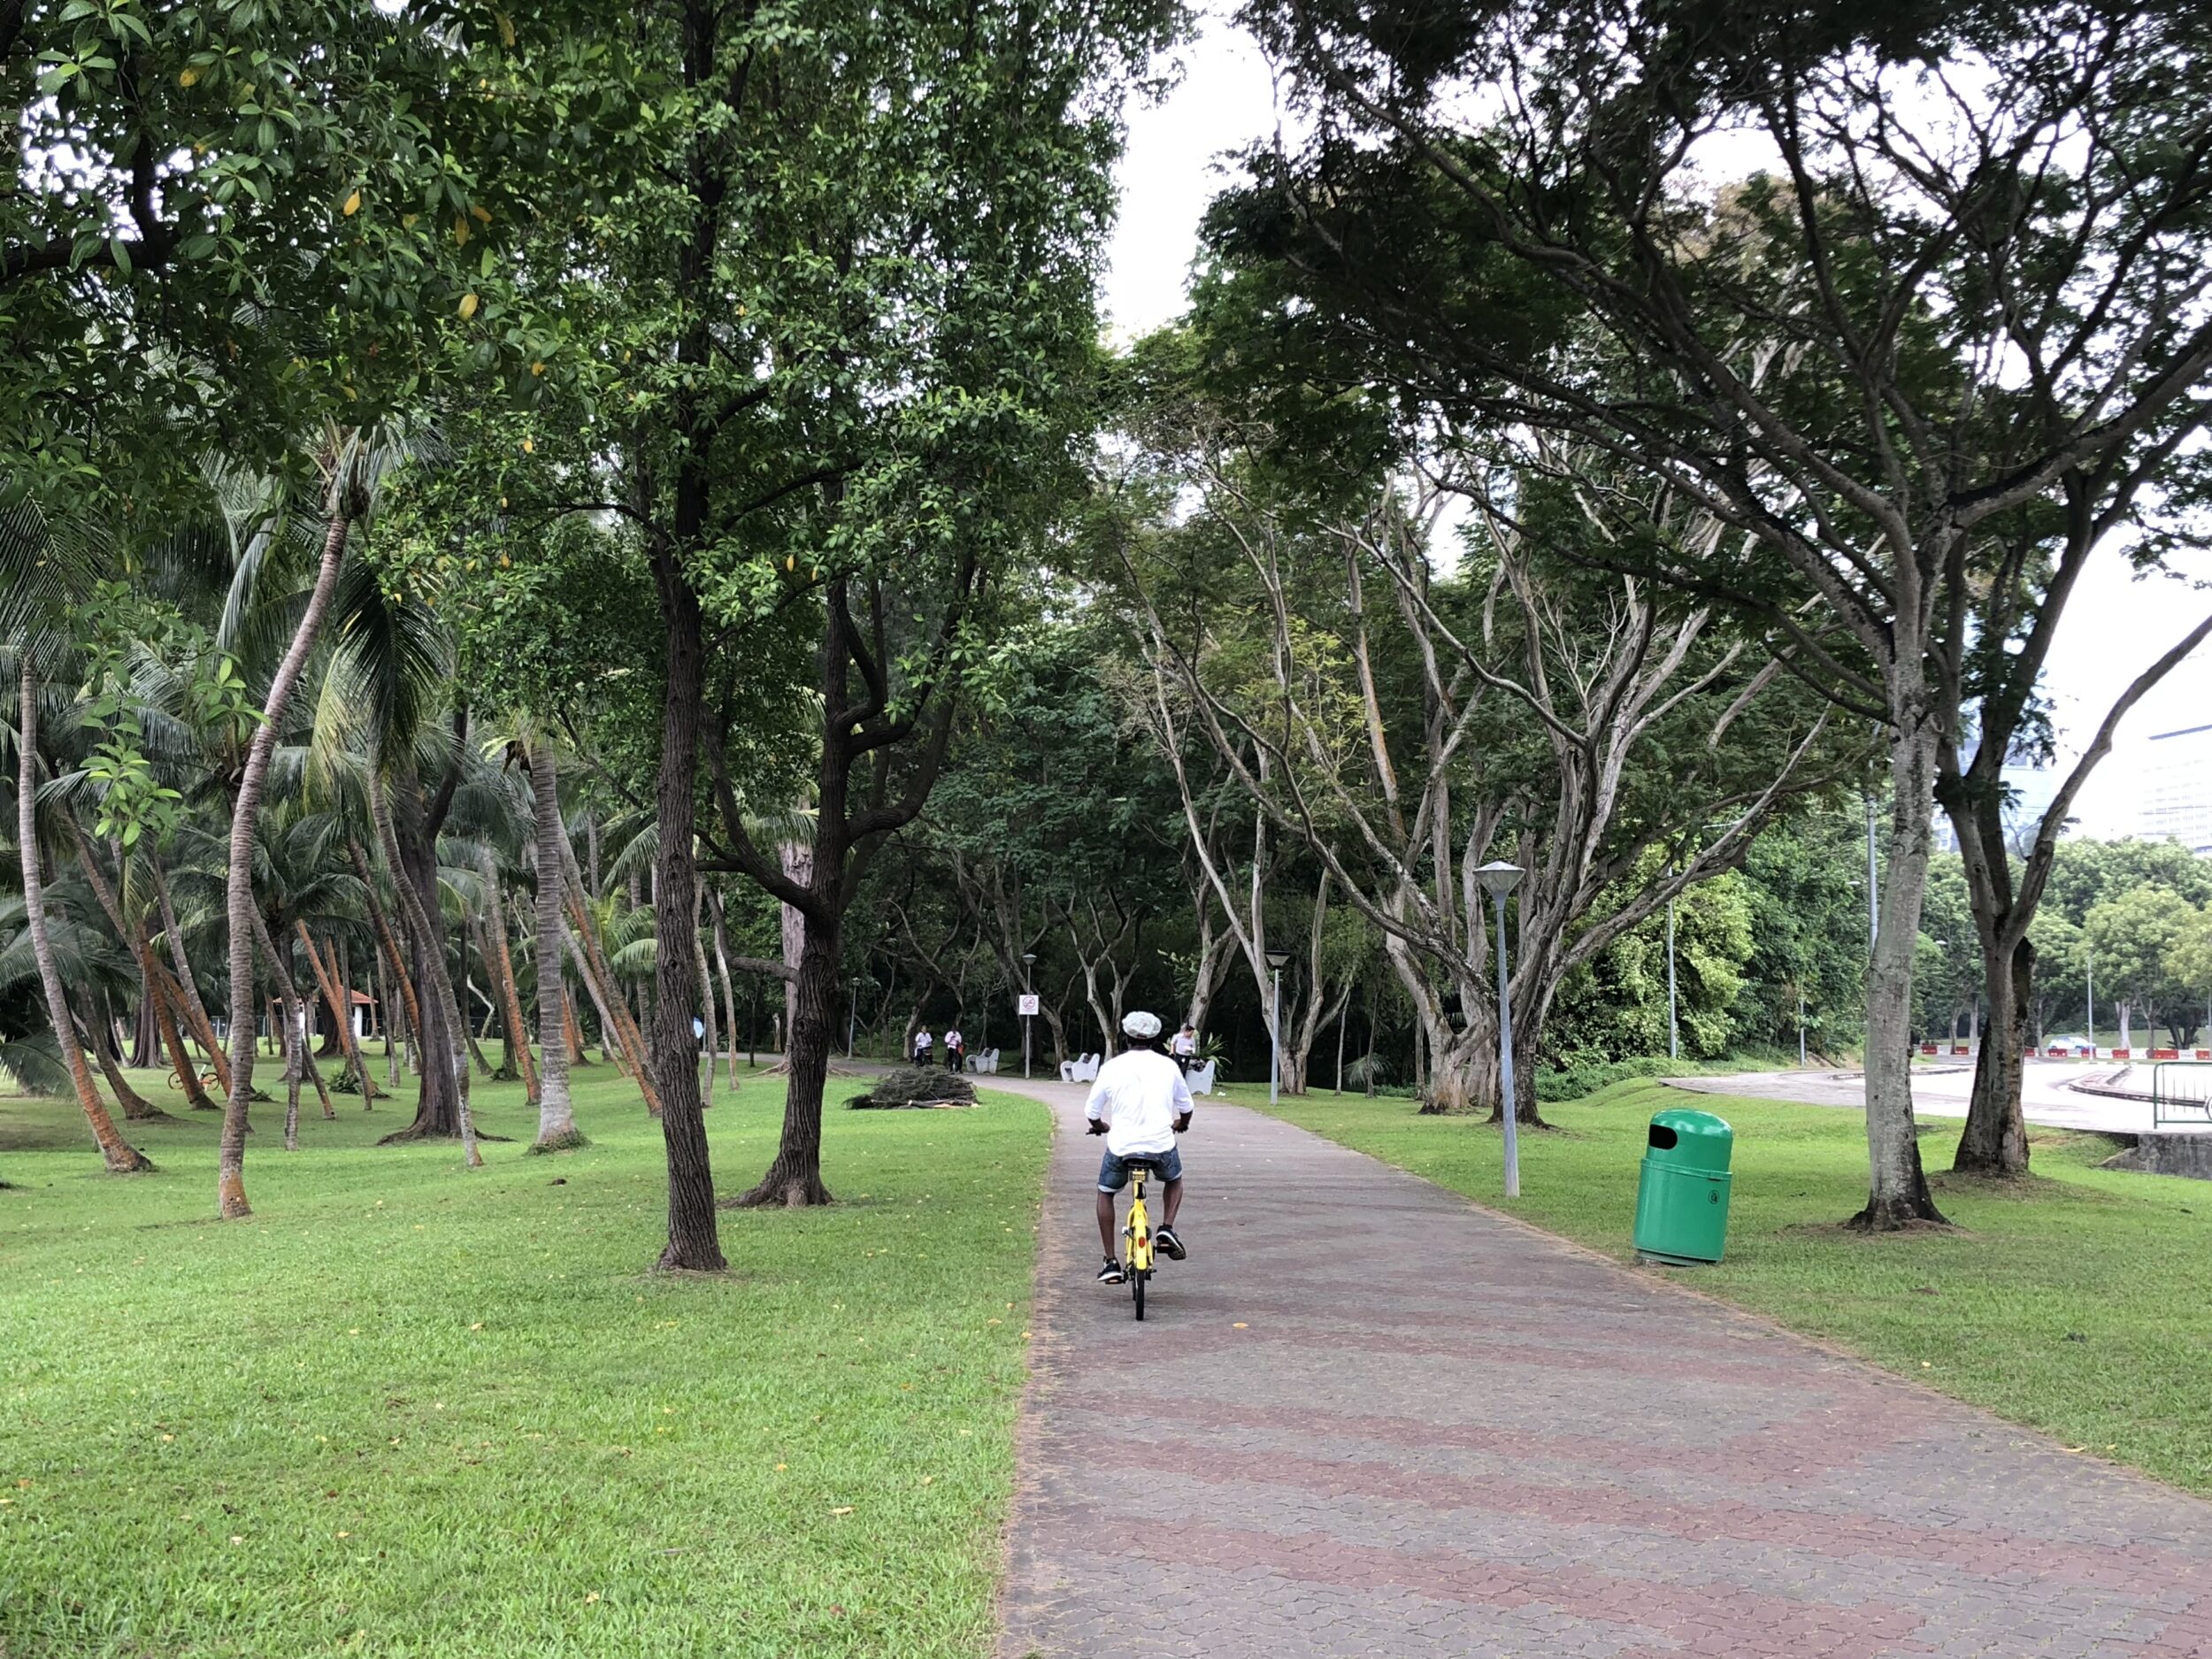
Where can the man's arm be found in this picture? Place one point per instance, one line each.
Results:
(1183, 1103)
(1094, 1106)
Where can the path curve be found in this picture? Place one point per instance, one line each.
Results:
(1438, 1431)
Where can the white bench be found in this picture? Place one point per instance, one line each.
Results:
(1082, 1071)
(985, 1063)
(1201, 1078)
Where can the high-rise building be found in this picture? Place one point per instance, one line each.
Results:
(2176, 781)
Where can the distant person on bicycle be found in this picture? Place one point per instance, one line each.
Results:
(956, 1049)
(1140, 1103)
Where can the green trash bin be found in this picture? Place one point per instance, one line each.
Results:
(1682, 1199)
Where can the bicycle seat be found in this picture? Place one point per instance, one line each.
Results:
(1144, 1164)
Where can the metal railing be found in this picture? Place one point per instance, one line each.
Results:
(2181, 1092)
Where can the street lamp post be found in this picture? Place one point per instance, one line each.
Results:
(1800, 1025)
(852, 1015)
(1275, 961)
(2089, 993)
(1498, 879)
(1029, 960)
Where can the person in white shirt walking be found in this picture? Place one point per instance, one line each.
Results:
(956, 1049)
(1184, 1046)
(1140, 1103)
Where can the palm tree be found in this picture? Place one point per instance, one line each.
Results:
(557, 1114)
(350, 463)
(122, 1157)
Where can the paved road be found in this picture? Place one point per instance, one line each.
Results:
(1942, 1091)
(1367, 1418)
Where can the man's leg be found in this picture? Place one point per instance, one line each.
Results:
(1106, 1225)
(1171, 1200)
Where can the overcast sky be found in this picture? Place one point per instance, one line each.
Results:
(1225, 100)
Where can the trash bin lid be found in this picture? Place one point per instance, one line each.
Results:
(1690, 1140)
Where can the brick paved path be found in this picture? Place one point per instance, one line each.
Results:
(1447, 1434)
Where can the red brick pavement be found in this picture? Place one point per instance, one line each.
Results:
(1366, 1419)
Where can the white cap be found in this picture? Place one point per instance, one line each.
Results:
(1142, 1025)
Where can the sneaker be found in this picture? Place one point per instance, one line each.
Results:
(1167, 1245)
(1111, 1273)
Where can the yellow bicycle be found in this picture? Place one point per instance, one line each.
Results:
(1137, 1231)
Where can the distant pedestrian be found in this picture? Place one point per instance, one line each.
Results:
(955, 1049)
(922, 1043)
(1184, 1046)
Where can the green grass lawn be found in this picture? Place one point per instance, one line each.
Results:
(409, 1410)
(2079, 1302)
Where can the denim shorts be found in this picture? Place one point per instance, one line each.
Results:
(1113, 1173)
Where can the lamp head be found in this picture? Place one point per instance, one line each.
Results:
(1498, 878)
(1279, 960)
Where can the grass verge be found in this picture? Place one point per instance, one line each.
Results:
(2075, 1302)
(413, 1410)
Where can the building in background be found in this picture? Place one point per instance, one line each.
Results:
(2175, 804)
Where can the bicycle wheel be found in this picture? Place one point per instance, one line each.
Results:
(1136, 1291)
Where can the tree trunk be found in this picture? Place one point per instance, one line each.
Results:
(230, 1177)
(729, 996)
(443, 1060)
(503, 967)
(136, 1106)
(190, 1003)
(440, 1033)
(610, 1043)
(121, 1158)
(298, 1061)
(695, 1242)
(1995, 1140)
(1897, 1188)
(392, 1015)
(166, 996)
(383, 926)
(614, 1021)
(145, 1041)
(795, 1177)
(706, 999)
(334, 994)
(557, 1113)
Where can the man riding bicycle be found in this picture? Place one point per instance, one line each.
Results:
(1140, 1103)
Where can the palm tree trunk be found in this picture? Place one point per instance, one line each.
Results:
(149, 969)
(626, 1030)
(327, 982)
(122, 1157)
(298, 1061)
(610, 1042)
(706, 998)
(383, 926)
(136, 1106)
(188, 1002)
(572, 1033)
(230, 1176)
(167, 997)
(502, 966)
(557, 1113)
(729, 997)
(442, 980)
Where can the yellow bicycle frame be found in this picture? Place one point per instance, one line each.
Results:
(1139, 1229)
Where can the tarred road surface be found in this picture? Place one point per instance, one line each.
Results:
(1367, 1418)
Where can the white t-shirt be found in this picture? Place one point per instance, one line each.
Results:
(1185, 1043)
(922, 1041)
(1142, 1093)
(952, 1038)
